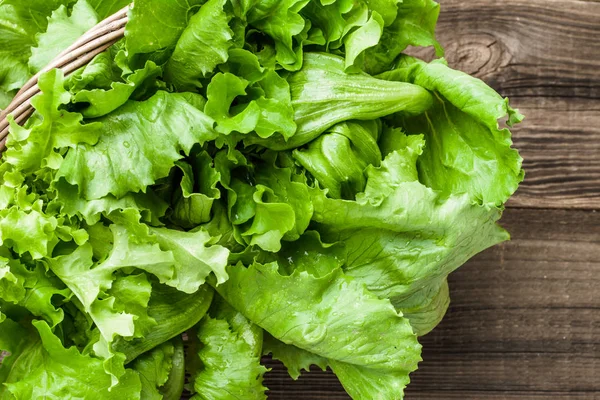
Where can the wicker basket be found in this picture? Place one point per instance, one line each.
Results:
(80, 53)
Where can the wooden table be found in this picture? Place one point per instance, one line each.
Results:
(525, 316)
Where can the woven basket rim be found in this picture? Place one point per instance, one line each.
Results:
(96, 40)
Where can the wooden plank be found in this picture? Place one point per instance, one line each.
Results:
(525, 48)
(560, 142)
(524, 316)
(448, 395)
(523, 323)
(545, 56)
(316, 385)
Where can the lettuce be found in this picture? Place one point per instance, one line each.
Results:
(20, 23)
(42, 367)
(63, 30)
(255, 177)
(228, 356)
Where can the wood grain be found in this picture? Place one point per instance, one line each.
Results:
(525, 318)
(523, 323)
(545, 56)
(560, 142)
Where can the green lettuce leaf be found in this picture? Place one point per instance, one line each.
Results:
(274, 205)
(281, 21)
(388, 9)
(359, 382)
(88, 283)
(250, 333)
(221, 93)
(63, 30)
(20, 22)
(174, 312)
(253, 177)
(154, 368)
(333, 316)
(356, 24)
(33, 289)
(118, 304)
(268, 111)
(28, 231)
(426, 308)
(173, 387)
(40, 367)
(338, 159)
(149, 204)
(194, 200)
(139, 143)
(467, 151)
(414, 26)
(132, 294)
(100, 73)
(307, 254)
(324, 95)
(179, 259)
(403, 235)
(156, 25)
(347, 327)
(367, 36)
(101, 102)
(34, 146)
(311, 255)
(294, 359)
(105, 8)
(335, 19)
(206, 40)
(196, 255)
(230, 369)
(162, 371)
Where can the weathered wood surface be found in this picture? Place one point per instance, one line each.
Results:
(545, 56)
(525, 316)
(524, 321)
